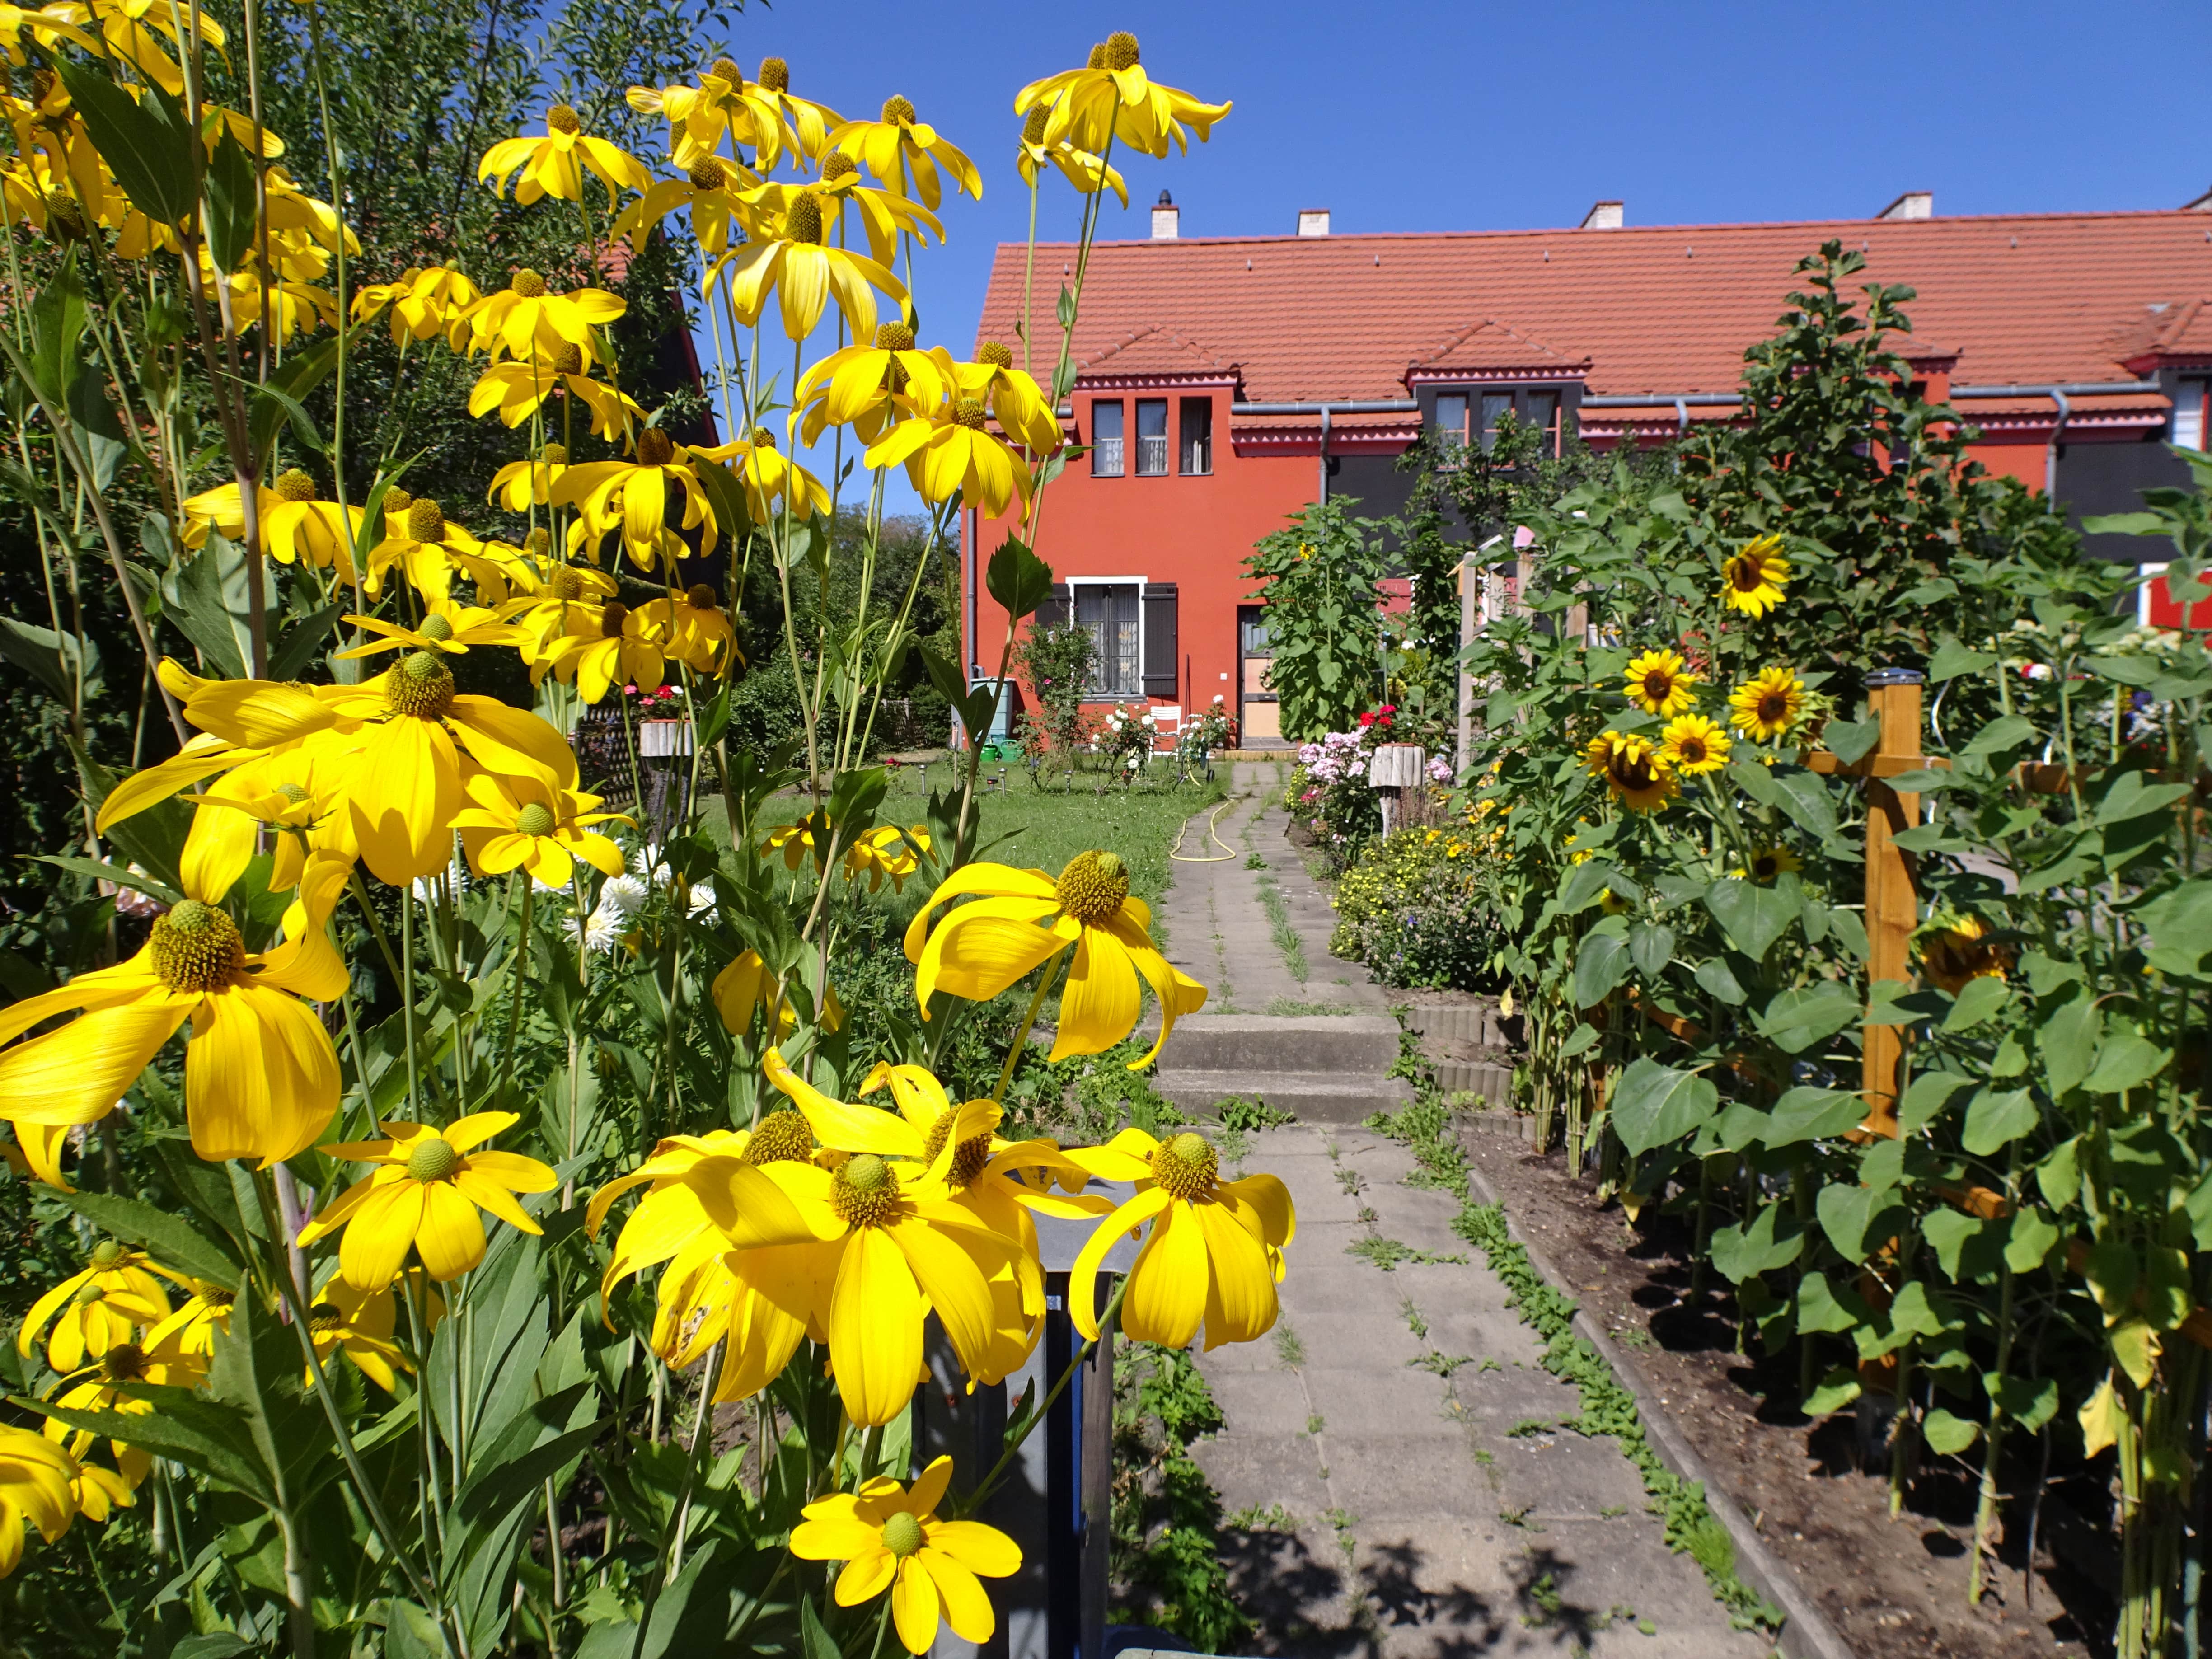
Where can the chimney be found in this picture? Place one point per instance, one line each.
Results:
(1313, 221)
(1167, 219)
(1913, 205)
(1605, 216)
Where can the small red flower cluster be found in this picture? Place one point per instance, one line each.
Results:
(1380, 717)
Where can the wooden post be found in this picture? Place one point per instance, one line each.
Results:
(1892, 907)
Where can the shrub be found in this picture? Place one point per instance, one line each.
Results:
(1408, 912)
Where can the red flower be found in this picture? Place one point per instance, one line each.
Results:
(1367, 720)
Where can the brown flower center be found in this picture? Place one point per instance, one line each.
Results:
(562, 118)
(803, 223)
(426, 520)
(528, 284)
(565, 585)
(195, 949)
(653, 448)
(900, 108)
(893, 337)
(707, 172)
(1098, 58)
(968, 412)
(124, 1363)
(614, 616)
(1186, 1167)
(1092, 886)
(782, 1138)
(726, 71)
(421, 686)
(775, 75)
(1121, 50)
(294, 485)
(838, 165)
(324, 1317)
(1774, 708)
(568, 358)
(700, 597)
(538, 543)
(1033, 125)
(553, 455)
(1747, 574)
(396, 503)
(996, 354)
(1658, 685)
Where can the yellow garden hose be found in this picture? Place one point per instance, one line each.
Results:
(1213, 818)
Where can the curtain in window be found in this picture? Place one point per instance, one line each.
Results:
(1109, 611)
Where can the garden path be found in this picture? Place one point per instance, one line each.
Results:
(1391, 1464)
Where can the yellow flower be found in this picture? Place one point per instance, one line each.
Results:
(218, 509)
(520, 485)
(1089, 174)
(1768, 862)
(1659, 683)
(695, 627)
(1016, 402)
(709, 191)
(517, 388)
(768, 476)
(1767, 706)
(261, 1079)
(1112, 99)
(426, 1191)
(1215, 1254)
(114, 1296)
(524, 319)
(609, 645)
(519, 822)
(1633, 769)
(795, 841)
(1752, 581)
(980, 948)
(427, 547)
(565, 601)
(424, 303)
(763, 113)
(865, 386)
(887, 851)
(884, 215)
(633, 494)
(899, 143)
(951, 451)
(110, 1385)
(45, 29)
(358, 1324)
(193, 1326)
(448, 628)
(1956, 950)
(890, 1539)
(1691, 745)
(789, 256)
(553, 162)
(745, 985)
(35, 1486)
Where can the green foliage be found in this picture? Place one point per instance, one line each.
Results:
(1319, 580)
(1165, 1555)
(1409, 911)
(1056, 660)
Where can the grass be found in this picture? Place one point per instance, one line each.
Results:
(1291, 1008)
(1287, 943)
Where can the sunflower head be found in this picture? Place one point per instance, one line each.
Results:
(568, 358)
(1752, 581)
(421, 686)
(863, 1191)
(1659, 683)
(1185, 1166)
(654, 447)
(1033, 125)
(1768, 706)
(1634, 771)
(1092, 886)
(838, 165)
(1691, 745)
(196, 948)
(562, 118)
(803, 222)
(294, 485)
(426, 520)
(969, 412)
(527, 283)
(707, 172)
(536, 818)
(434, 1159)
(1121, 50)
(775, 75)
(995, 353)
(614, 616)
(324, 1317)
(900, 108)
(1768, 862)
(782, 1138)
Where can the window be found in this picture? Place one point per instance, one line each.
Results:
(1197, 436)
(1495, 406)
(1451, 416)
(1109, 611)
(1106, 439)
(2189, 413)
(1151, 437)
(1543, 412)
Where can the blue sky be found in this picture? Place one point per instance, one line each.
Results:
(1472, 116)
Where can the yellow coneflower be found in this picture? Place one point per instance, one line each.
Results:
(553, 162)
(1112, 99)
(526, 318)
(518, 387)
(1659, 682)
(1089, 174)
(1752, 581)
(710, 189)
(865, 386)
(633, 494)
(884, 213)
(952, 450)
(900, 144)
(790, 256)
(1767, 706)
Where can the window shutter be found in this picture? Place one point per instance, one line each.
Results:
(1163, 652)
(1053, 613)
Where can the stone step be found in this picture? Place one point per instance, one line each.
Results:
(1312, 1097)
(1477, 1023)
(1361, 1045)
(1493, 1082)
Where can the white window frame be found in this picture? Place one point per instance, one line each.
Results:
(1074, 582)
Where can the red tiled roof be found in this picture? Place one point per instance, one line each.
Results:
(2021, 298)
(2166, 333)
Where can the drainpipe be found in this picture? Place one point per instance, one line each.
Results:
(1323, 495)
(2050, 450)
(1682, 417)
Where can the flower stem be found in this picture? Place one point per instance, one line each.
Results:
(1047, 975)
(975, 1499)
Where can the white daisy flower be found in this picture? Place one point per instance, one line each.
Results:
(624, 894)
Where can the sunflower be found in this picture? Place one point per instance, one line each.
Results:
(358, 1324)
(1955, 950)
(114, 1296)
(980, 948)
(899, 144)
(1659, 683)
(524, 318)
(1111, 98)
(261, 1079)
(552, 163)
(1768, 862)
(517, 388)
(1752, 581)
(1089, 174)
(890, 1539)
(1768, 706)
(1633, 769)
(695, 627)
(524, 823)
(951, 451)
(426, 1191)
(710, 190)
(789, 256)
(1214, 1256)
(633, 494)
(36, 1481)
(1017, 403)
(1691, 745)
(865, 386)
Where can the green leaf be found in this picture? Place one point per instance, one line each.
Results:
(1926, 1097)
(1650, 948)
(1754, 916)
(2130, 797)
(2005, 733)
(202, 1434)
(1718, 982)
(1600, 964)
(1850, 741)
(1952, 659)
(58, 319)
(2067, 1043)
(2123, 524)
(99, 433)
(302, 643)
(209, 596)
(1823, 1309)
(1740, 1126)
(1923, 782)
(1654, 1104)
(2029, 1401)
(1995, 1120)
(2033, 1233)
(301, 372)
(1814, 1114)
(1981, 999)
(232, 211)
(1916, 1311)
(1893, 1002)
(1581, 1040)
(1849, 1215)
(1948, 1435)
(2180, 918)
(1837, 1389)
(1965, 1245)
(1798, 1019)
(2058, 1175)
(1586, 884)
(148, 142)
(1017, 579)
(2124, 1061)
(174, 1240)
(51, 657)
(1773, 1240)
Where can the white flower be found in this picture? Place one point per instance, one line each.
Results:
(624, 894)
(600, 930)
(702, 898)
(647, 861)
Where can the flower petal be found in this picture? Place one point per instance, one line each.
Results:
(977, 1547)
(875, 1330)
(1099, 1003)
(967, 1608)
(1168, 1286)
(914, 1607)
(1083, 1279)
(1239, 1301)
(451, 1238)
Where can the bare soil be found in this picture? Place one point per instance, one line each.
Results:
(1893, 1589)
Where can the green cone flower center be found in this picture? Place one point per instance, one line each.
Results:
(527, 283)
(535, 819)
(1092, 886)
(433, 1160)
(294, 485)
(565, 585)
(782, 1138)
(295, 794)
(707, 172)
(996, 354)
(562, 118)
(863, 1191)
(435, 627)
(775, 75)
(421, 686)
(893, 337)
(1185, 1166)
(124, 1363)
(88, 1294)
(426, 520)
(614, 616)
(838, 165)
(803, 222)
(108, 1252)
(653, 448)
(902, 1533)
(324, 1317)
(195, 949)
(899, 108)
(1121, 50)
(554, 454)
(968, 412)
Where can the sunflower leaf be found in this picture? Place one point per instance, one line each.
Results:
(1018, 579)
(1850, 740)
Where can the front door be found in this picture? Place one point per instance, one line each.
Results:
(1259, 713)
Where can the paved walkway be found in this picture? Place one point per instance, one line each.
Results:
(1391, 1462)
